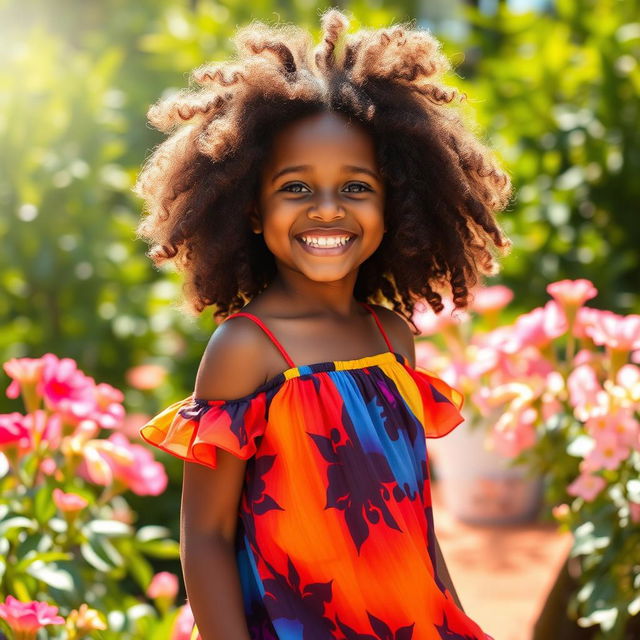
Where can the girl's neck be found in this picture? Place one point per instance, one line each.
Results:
(322, 298)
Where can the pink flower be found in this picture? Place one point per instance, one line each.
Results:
(146, 376)
(585, 319)
(426, 354)
(24, 372)
(43, 426)
(109, 412)
(68, 502)
(572, 293)
(616, 332)
(145, 476)
(163, 585)
(584, 356)
(626, 428)
(514, 432)
(586, 486)
(539, 327)
(429, 322)
(491, 299)
(131, 424)
(634, 511)
(65, 388)
(608, 453)
(115, 458)
(584, 389)
(95, 467)
(184, 624)
(26, 618)
(48, 466)
(628, 382)
(14, 432)
(599, 421)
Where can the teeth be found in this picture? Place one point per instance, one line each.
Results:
(325, 241)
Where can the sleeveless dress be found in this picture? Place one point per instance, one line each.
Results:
(335, 535)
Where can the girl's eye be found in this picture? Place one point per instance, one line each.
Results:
(293, 187)
(296, 187)
(358, 184)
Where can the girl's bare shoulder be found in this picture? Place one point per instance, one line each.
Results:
(398, 330)
(234, 362)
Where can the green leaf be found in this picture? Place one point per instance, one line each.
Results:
(581, 446)
(108, 528)
(140, 569)
(108, 551)
(93, 558)
(152, 532)
(606, 618)
(35, 556)
(587, 540)
(633, 489)
(44, 507)
(54, 577)
(17, 522)
(160, 548)
(163, 630)
(40, 542)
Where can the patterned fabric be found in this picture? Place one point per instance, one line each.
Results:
(335, 533)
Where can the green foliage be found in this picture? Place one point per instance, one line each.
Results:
(557, 96)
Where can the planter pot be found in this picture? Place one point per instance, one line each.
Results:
(479, 486)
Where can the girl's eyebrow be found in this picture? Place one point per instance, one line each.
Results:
(301, 167)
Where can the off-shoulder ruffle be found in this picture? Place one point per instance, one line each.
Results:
(192, 429)
(442, 403)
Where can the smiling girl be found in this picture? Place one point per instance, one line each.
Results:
(312, 195)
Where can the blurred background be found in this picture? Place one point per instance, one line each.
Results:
(554, 85)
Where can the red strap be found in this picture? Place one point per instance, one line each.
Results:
(281, 348)
(375, 317)
(267, 331)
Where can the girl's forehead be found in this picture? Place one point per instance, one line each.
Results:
(325, 134)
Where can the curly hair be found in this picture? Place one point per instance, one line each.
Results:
(443, 185)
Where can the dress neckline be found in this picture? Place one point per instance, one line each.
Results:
(316, 367)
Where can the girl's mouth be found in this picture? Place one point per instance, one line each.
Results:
(326, 245)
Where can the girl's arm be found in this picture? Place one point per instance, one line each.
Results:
(211, 497)
(207, 553)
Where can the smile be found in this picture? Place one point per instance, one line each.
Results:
(326, 245)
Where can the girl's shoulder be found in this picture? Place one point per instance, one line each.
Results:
(398, 330)
(233, 364)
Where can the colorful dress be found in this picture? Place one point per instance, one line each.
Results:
(335, 534)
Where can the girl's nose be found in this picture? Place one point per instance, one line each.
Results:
(327, 207)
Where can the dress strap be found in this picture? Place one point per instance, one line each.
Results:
(375, 317)
(264, 327)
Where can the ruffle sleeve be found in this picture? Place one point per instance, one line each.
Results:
(442, 403)
(193, 429)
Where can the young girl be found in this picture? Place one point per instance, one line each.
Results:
(314, 188)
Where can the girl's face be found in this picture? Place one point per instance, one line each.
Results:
(321, 201)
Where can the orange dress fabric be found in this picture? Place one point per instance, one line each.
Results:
(335, 535)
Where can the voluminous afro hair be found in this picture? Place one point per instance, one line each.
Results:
(443, 185)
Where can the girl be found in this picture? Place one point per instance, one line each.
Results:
(302, 184)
